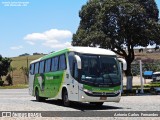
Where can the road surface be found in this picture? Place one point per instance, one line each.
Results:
(20, 100)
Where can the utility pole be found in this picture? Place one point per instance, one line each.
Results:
(120, 64)
(27, 63)
(27, 69)
(141, 77)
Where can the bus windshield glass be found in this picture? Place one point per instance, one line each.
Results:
(100, 69)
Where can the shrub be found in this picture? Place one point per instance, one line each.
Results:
(1, 83)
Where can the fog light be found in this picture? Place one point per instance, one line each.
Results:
(82, 97)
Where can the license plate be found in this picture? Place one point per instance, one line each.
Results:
(103, 98)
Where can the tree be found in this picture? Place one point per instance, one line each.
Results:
(9, 77)
(25, 72)
(115, 24)
(4, 66)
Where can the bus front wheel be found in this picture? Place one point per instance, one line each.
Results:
(65, 99)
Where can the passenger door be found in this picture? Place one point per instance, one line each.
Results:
(74, 83)
(72, 78)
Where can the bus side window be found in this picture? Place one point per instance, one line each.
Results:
(32, 69)
(41, 67)
(71, 58)
(54, 64)
(62, 62)
(48, 65)
(36, 68)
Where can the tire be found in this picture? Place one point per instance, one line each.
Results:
(98, 104)
(65, 99)
(38, 98)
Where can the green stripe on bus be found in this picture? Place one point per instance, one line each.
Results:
(60, 88)
(101, 89)
(51, 83)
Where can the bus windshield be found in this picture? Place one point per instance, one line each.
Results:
(100, 69)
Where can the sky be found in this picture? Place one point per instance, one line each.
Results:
(43, 26)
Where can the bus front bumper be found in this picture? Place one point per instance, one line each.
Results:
(87, 97)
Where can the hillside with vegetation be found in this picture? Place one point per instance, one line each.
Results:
(150, 61)
(18, 64)
(148, 54)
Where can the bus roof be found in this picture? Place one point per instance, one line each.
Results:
(34, 61)
(84, 50)
(92, 50)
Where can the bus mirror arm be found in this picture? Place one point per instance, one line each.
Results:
(123, 62)
(78, 59)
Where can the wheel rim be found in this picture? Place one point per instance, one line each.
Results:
(65, 99)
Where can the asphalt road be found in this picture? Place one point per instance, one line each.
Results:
(20, 100)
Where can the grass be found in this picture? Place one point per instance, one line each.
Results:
(18, 62)
(155, 83)
(135, 88)
(152, 84)
(145, 87)
(18, 86)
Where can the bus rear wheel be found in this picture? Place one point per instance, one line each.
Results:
(38, 98)
(65, 99)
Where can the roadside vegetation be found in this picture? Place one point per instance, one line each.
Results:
(148, 64)
(18, 86)
(147, 89)
(15, 75)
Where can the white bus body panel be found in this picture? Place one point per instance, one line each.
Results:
(31, 79)
(31, 82)
(85, 98)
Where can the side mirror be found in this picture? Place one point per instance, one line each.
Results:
(78, 59)
(123, 62)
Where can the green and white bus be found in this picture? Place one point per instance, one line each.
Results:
(82, 74)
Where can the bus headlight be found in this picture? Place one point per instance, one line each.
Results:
(87, 91)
